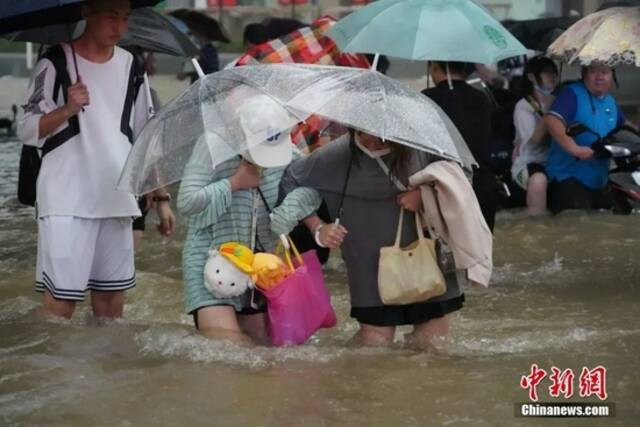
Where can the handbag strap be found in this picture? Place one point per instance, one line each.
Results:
(402, 187)
(287, 246)
(419, 229)
(254, 220)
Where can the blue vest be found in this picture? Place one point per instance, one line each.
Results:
(600, 114)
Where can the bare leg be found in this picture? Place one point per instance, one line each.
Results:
(137, 238)
(220, 322)
(107, 305)
(374, 336)
(429, 336)
(537, 194)
(57, 307)
(255, 325)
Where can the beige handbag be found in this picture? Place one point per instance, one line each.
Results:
(409, 275)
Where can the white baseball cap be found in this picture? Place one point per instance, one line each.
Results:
(263, 119)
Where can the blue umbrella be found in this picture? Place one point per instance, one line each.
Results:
(16, 15)
(432, 30)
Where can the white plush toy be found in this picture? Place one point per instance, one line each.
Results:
(227, 273)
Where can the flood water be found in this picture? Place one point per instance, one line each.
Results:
(565, 293)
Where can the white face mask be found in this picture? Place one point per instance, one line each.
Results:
(373, 154)
(543, 90)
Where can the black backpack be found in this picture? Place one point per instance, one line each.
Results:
(31, 157)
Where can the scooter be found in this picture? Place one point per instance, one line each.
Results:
(622, 145)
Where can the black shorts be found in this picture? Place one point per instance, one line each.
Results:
(139, 223)
(536, 168)
(485, 186)
(411, 314)
(572, 194)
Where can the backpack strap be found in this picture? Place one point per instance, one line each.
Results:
(58, 58)
(136, 79)
(537, 109)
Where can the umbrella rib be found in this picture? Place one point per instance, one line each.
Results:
(384, 105)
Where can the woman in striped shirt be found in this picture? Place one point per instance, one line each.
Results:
(220, 205)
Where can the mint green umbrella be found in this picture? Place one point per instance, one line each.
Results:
(433, 30)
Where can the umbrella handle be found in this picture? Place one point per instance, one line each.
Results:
(376, 58)
(147, 88)
(198, 68)
(73, 54)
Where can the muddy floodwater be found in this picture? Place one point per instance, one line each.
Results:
(565, 294)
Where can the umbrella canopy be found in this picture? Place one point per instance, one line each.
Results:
(538, 34)
(203, 24)
(209, 120)
(24, 14)
(374, 103)
(611, 37)
(437, 30)
(156, 33)
(206, 124)
(147, 28)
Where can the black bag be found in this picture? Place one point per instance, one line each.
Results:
(31, 157)
(30, 163)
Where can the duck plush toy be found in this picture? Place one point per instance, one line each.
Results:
(268, 271)
(228, 271)
(233, 269)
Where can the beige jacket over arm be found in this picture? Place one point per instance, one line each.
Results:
(452, 209)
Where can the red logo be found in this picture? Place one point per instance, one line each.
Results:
(562, 382)
(532, 380)
(592, 382)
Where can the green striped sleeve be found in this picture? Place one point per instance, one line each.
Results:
(299, 204)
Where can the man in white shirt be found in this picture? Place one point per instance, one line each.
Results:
(85, 241)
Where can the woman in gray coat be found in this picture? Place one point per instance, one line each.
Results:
(346, 174)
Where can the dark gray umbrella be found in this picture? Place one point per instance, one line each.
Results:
(279, 27)
(203, 24)
(539, 33)
(148, 29)
(17, 15)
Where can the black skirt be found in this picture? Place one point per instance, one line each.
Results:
(411, 314)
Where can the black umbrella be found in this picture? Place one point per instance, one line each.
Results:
(203, 24)
(609, 4)
(148, 29)
(538, 34)
(278, 27)
(25, 14)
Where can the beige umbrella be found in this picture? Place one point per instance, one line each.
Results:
(611, 37)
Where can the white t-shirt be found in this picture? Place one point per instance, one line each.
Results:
(525, 121)
(79, 177)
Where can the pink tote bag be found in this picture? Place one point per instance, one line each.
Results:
(301, 304)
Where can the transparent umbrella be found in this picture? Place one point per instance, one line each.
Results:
(209, 123)
(214, 119)
(372, 102)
